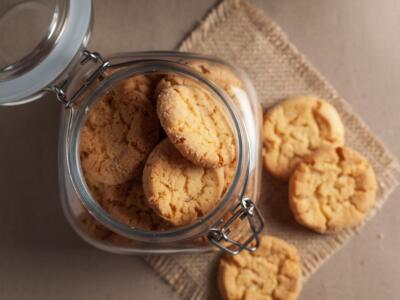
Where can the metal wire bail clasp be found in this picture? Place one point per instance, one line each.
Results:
(244, 210)
(59, 90)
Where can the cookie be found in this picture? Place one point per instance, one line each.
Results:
(119, 133)
(196, 125)
(173, 80)
(295, 128)
(333, 189)
(219, 75)
(272, 272)
(99, 232)
(127, 203)
(179, 191)
(144, 84)
(139, 83)
(93, 227)
(229, 174)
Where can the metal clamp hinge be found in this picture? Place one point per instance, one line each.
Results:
(59, 90)
(220, 234)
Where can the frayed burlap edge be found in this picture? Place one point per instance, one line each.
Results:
(176, 275)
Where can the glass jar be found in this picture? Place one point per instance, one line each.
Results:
(79, 78)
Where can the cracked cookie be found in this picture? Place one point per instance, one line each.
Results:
(229, 174)
(294, 129)
(332, 189)
(144, 84)
(99, 232)
(221, 76)
(93, 227)
(119, 133)
(172, 80)
(272, 272)
(196, 125)
(127, 203)
(179, 191)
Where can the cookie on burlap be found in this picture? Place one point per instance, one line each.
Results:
(196, 125)
(332, 189)
(127, 203)
(119, 133)
(295, 128)
(179, 191)
(272, 272)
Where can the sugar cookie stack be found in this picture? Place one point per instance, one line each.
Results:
(158, 151)
(331, 187)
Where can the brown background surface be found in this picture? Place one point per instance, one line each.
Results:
(355, 44)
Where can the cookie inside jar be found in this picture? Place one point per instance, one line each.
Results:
(158, 150)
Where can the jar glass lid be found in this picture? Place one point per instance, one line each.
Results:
(39, 39)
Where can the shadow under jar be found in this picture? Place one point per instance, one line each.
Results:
(81, 78)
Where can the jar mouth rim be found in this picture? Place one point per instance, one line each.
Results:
(190, 231)
(59, 50)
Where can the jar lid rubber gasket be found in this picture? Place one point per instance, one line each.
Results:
(73, 36)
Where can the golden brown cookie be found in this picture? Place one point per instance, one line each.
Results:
(119, 133)
(179, 191)
(127, 203)
(173, 80)
(99, 232)
(93, 227)
(272, 272)
(333, 189)
(144, 84)
(229, 174)
(140, 83)
(221, 76)
(295, 128)
(196, 125)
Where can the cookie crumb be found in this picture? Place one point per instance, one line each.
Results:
(381, 236)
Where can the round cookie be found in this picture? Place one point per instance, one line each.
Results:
(196, 125)
(99, 232)
(272, 272)
(332, 189)
(93, 227)
(119, 133)
(220, 75)
(172, 80)
(144, 84)
(179, 191)
(127, 203)
(294, 129)
(229, 174)
(139, 83)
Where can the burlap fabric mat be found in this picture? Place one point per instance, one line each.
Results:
(240, 33)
